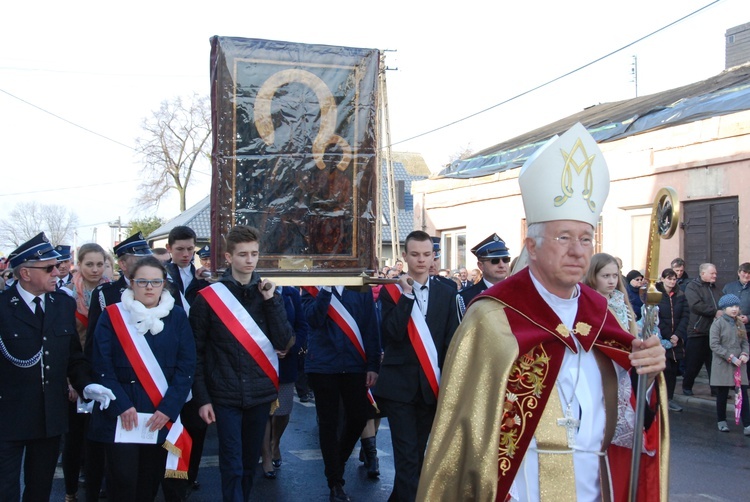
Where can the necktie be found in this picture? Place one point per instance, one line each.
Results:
(60, 283)
(38, 311)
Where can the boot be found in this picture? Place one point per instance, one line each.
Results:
(362, 456)
(371, 454)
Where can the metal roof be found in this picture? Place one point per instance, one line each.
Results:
(725, 93)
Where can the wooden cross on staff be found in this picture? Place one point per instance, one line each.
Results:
(664, 217)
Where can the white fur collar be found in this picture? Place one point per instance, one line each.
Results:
(147, 319)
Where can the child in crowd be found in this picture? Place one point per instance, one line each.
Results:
(729, 345)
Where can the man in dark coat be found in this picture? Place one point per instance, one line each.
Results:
(702, 298)
(407, 383)
(63, 265)
(239, 325)
(181, 270)
(493, 259)
(39, 353)
(678, 265)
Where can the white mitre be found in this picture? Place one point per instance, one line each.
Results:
(565, 179)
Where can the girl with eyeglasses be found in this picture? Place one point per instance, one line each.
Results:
(144, 350)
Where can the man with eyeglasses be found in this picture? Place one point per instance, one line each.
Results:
(493, 259)
(535, 395)
(39, 353)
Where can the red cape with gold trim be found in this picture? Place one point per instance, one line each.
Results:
(511, 344)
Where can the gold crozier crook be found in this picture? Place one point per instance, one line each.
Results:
(664, 218)
(325, 136)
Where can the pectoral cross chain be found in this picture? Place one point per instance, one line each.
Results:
(571, 426)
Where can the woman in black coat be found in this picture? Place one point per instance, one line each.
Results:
(673, 320)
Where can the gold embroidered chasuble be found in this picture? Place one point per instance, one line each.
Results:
(498, 378)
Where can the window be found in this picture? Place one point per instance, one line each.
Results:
(400, 192)
(453, 248)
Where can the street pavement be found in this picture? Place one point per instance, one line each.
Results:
(706, 465)
(300, 477)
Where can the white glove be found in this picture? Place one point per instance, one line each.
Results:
(100, 394)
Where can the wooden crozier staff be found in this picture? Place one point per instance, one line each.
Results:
(664, 217)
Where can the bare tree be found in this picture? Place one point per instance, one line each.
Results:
(29, 218)
(463, 152)
(176, 139)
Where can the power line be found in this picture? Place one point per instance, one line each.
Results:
(60, 189)
(100, 74)
(556, 78)
(66, 120)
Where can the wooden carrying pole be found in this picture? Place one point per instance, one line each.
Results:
(386, 133)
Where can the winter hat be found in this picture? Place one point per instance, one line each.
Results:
(632, 275)
(728, 301)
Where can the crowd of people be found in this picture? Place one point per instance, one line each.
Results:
(455, 363)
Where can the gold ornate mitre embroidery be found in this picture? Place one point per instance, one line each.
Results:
(576, 159)
(522, 399)
(584, 179)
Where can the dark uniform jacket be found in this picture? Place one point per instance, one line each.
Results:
(329, 350)
(195, 285)
(401, 377)
(465, 296)
(226, 374)
(445, 280)
(26, 410)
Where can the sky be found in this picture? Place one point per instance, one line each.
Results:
(77, 79)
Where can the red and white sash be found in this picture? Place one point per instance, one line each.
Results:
(153, 381)
(344, 320)
(421, 340)
(244, 328)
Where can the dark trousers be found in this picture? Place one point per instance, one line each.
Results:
(410, 428)
(332, 392)
(134, 471)
(722, 393)
(39, 465)
(93, 467)
(240, 432)
(72, 455)
(302, 385)
(670, 376)
(698, 353)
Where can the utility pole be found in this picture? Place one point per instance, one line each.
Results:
(634, 72)
(386, 133)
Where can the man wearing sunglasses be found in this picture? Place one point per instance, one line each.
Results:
(493, 259)
(39, 353)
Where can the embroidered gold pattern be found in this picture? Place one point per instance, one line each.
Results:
(582, 329)
(615, 344)
(562, 330)
(577, 159)
(525, 386)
